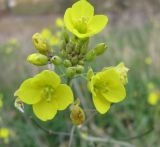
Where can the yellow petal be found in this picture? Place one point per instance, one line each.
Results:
(101, 104)
(45, 110)
(115, 94)
(63, 96)
(47, 77)
(97, 23)
(82, 9)
(68, 20)
(29, 92)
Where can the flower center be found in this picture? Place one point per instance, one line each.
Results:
(47, 93)
(81, 24)
(101, 87)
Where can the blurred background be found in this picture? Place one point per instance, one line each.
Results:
(132, 36)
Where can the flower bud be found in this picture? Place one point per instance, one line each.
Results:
(90, 55)
(90, 73)
(67, 63)
(69, 47)
(62, 45)
(37, 59)
(79, 69)
(70, 72)
(77, 115)
(74, 60)
(41, 44)
(81, 62)
(122, 71)
(63, 53)
(100, 49)
(56, 60)
(65, 36)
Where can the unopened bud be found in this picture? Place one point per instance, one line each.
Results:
(81, 62)
(56, 60)
(67, 63)
(77, 115)
(122, 71)
(37, 59)
(70, 72)
(100, 49)
(62, 45)
(74, 60)
(90, 73)
(69, 47)
(79, 69)
(63, 53)
(65, 36)
(41, 43)
(90, 55)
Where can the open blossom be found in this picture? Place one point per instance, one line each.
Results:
(81, 21)
(107, 88)
(46, 94)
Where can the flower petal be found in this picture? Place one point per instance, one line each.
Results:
(29, 92)
(68, 20)
(82, 9)
(97, 24)
(116, 93)
(45, 110)
(101, 104)
(47, 77)
(115, 89)
(63, 96)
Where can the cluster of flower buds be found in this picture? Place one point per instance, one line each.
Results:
(75, 52)
(44, 51)
(72, 54)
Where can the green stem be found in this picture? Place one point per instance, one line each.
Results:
(71, 136)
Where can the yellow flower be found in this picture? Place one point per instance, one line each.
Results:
(81, 21)
(106, 88)
(46, 94)
(4, 134)
(59, 22)
(153, 98)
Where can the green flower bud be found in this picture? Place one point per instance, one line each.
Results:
(100, 49)
(62, 45)
(74, 60)
(65, 36)
(90, 73)
(63, 53)
(56, 60)
(90, 55)
(67, 63)
(41, 44)
(69, 47)
(81, 62)
(79, 69)
(77, 115)
(70, 72)
(37, 59)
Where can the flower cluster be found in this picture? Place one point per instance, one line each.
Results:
(45, 93)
